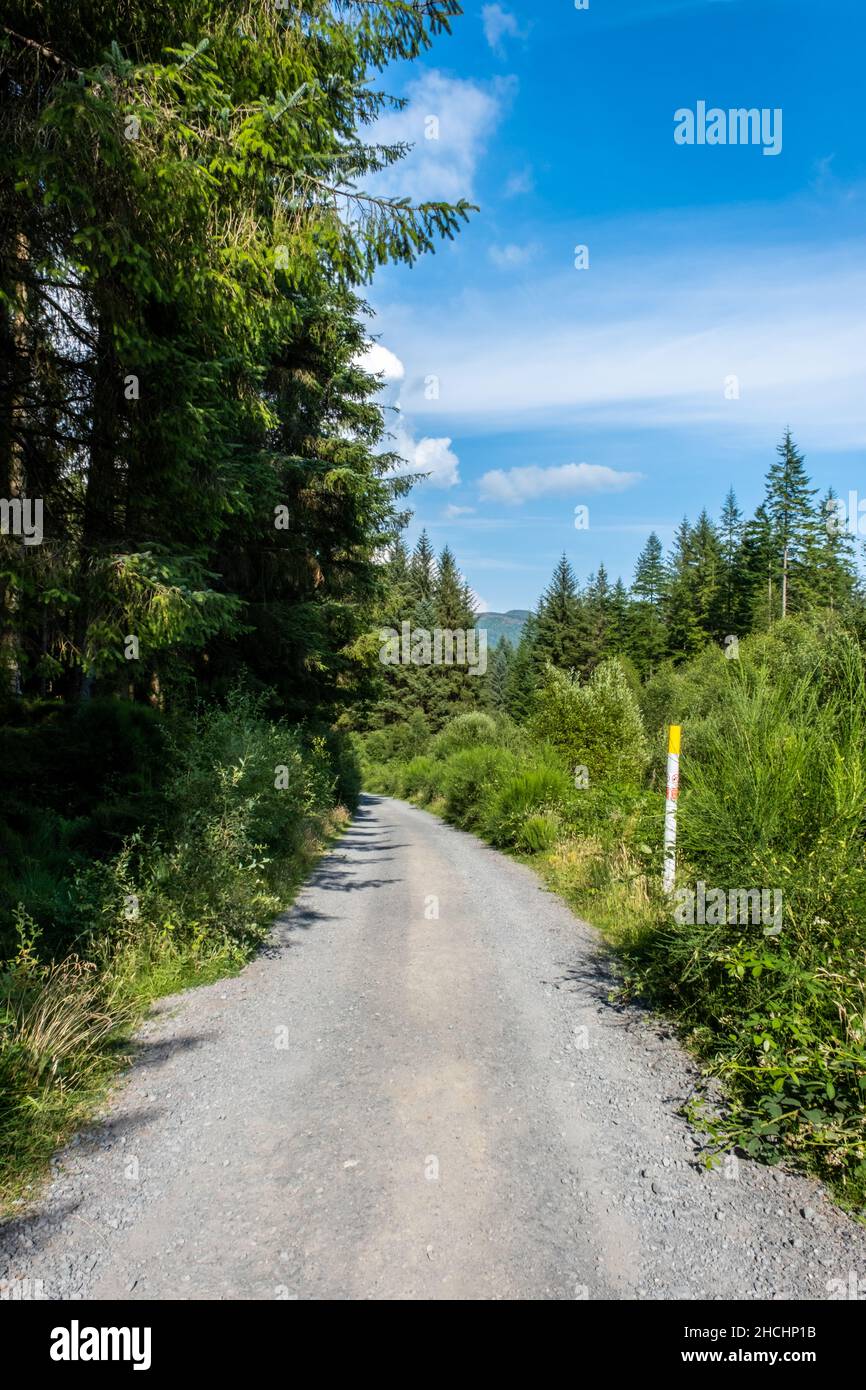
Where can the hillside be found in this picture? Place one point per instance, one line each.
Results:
(508, 625)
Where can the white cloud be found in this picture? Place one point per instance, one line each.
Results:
(499, 24)
(515, 485)
(460, 115)
(436, 457)
(522, 181)
(452, 511)
(510, 256)
(649, 337)
(427, 455)
(380, 361)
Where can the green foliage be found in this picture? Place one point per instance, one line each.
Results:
(596, 724)
(538, 833)
(420, 778)
(469, 779)
(534, 790)
(466, 731)
(245, 805)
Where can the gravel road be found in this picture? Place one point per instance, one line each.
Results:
(418, 1091)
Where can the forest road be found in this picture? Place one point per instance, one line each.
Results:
(419, 1090)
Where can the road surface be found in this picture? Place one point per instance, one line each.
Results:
(419, 1090)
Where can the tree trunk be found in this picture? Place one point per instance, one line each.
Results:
(13, 378)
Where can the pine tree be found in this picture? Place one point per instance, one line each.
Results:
(562, 634)
(598, 605)
(789, 506)
(523, 674)
(422, 569)
(649, 575)
(496, 685)
(730, 543)
(619, 619)
(758, 595)
(830, 560)
(647, 637)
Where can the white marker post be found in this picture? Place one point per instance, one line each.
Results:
(671, 798)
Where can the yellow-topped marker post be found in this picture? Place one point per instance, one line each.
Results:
(671, 797)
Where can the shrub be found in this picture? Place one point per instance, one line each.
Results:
(397, 742)
(465, 731)
(469, 778)
(597, 725)
(538, 833)
(245, 803)
(420, 778)
(774, 797)
(535, 789)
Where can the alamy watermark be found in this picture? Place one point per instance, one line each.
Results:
(718, 907)
(422, 646)
(22, 516)
(845, 518)
(737, 126)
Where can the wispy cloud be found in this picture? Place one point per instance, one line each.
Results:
(499, 24)
(447, 121)
(517, 485)
(522, 181)
(511, 256)
(716, 333)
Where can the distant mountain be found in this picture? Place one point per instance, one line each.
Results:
(508, 625)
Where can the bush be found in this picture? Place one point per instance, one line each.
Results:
(469, 778)
(596, 725)
(420, 778)
(774, 797)
(537, 834)
(466, 731)
(246, 803)
(536, 789)
(397, 742)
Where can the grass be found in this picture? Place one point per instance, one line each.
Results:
(773, 798)
(169, 911)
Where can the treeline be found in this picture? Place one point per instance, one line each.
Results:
(195, 487)
(184, 233)
(720, 581)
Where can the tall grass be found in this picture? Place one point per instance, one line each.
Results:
(248, 804)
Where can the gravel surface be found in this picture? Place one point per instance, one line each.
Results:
(419, 1090)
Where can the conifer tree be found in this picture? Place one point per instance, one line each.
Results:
(789, 505)
(730, 544)
(562, 634)
(647, 639)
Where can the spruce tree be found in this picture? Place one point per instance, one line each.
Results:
(730, 543)
(647, 638)
(598, 605)
(562, 634)
(496, 685)
(789, 504)
(523, 674)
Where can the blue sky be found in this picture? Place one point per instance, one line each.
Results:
(612, 387)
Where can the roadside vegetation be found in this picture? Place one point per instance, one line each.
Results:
(566, 766)
(195, 484)
(230, 810)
